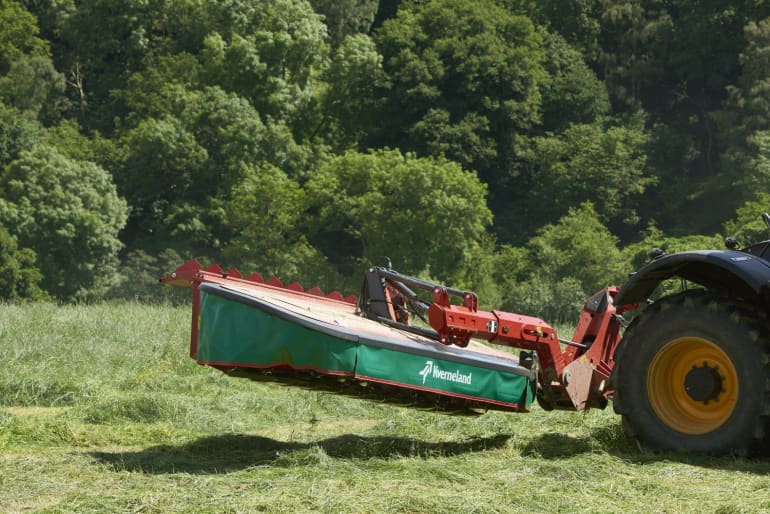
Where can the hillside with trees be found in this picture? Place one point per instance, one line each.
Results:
(531, 151)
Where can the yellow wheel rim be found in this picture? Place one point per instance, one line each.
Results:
(692, 385)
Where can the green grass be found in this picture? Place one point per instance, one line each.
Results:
(101, 410)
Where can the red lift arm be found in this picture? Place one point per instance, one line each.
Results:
(572, 374)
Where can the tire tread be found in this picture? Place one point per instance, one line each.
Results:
(741, 314)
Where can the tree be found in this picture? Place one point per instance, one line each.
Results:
(634, 34)
(33, 85)
(351, 100)
(387, 9)
(67, 138)
(745, 125)
(198, 154)
(578, 246)
(100, 44)
(164, 86)
(19, 279)
(346, 17)
(426, 214)
(663, 57)
(639, 253)
(234, 133)
(603, 165)
(175, 188)
(572, 93)
(750, 96)
(28, 79)
(577, 21)
(269, 52)
(18, 131)
(465, 78)
(139, 280)
(265, 50)
(263, 215)
(263, 230)
(747, 225)
(495, 273)
(69, 213)
(567, 261)
(18, 35)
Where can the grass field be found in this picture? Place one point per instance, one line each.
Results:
(101, 410)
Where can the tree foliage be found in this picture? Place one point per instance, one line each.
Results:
(747, 225)
(198, 157)
(368, 208)
(264, 216)
(503, 145)
(568, 261)
(748, 111)
(68, 212)
(346, 17)
(603, 164)
(572, 94)
(465, 78)
(578, 246)
(19, 33)
(355, 78)
(19, 278)
(18, 131)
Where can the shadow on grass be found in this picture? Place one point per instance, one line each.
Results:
(556, 446)
(611, 440)
(226, 453)
(605, 439)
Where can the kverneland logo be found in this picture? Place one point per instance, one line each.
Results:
(432, 370)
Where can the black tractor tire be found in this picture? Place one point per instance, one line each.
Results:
(692, 374)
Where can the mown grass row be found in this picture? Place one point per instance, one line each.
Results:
(101, 410)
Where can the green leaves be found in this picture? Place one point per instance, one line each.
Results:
(566, 262)
(426, 215)
(311, 144)
(33, 85)
(18, 131)
(355, 79)
(460, 68)
(590, 163)
(197, 157)
(264, 221)
(69, 213)
(747, 225)
(578, 246)
(572, 93)
(19, 278)
(269, 52)
(346, 17)
(18, 35)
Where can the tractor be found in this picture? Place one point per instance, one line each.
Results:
(688, 371)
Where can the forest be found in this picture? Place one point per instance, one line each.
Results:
(533, 151)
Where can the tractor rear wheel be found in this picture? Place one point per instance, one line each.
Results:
(692, 375)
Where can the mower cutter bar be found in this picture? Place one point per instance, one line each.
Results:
(267, 331)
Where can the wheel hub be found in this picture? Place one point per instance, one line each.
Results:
(692, 385)
(704, 383)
